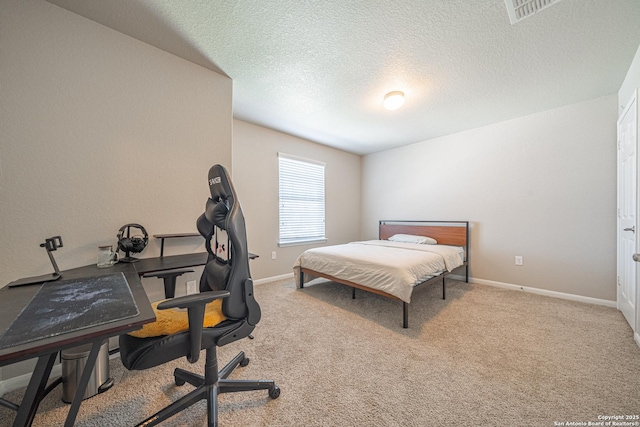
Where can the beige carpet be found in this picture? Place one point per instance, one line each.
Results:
(482, 357)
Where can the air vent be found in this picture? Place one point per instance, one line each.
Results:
(521, 9)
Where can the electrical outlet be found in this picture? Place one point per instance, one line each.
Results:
(273, 255)
(191, 287)
(519, 260)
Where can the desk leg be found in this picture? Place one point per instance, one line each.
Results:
(35, 390)
(82, 386)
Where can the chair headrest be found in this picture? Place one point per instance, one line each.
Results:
(219, 184)
(216, 213)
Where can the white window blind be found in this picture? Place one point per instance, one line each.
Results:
(301, 193)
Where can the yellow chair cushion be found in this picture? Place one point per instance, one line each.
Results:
(175, 320)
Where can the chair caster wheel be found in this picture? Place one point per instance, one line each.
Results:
(244, 362)
(274, 392)
(179, 382)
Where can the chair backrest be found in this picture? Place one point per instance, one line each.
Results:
(226, 269)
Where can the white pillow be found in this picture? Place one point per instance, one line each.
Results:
(409, 238)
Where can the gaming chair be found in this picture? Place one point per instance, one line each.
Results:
(227, 278)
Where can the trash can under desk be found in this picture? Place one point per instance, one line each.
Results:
(73, 363)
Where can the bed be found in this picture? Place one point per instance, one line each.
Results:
(395, 264)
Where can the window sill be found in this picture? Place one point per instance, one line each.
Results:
(301, 242)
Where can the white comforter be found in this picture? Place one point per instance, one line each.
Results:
(392, 267)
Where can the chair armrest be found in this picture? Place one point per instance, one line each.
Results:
(195, 310)
(193, 300)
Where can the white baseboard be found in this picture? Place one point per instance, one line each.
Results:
(538, 291)
(20, 381)
(636, 337)
(273, 279)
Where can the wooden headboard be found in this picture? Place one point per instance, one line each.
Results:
(455, 233)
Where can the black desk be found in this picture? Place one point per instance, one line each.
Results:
(164, 263)
(14, 300)
(147, 266)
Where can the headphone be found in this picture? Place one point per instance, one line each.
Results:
(133, 244)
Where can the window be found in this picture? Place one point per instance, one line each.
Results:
(301, 204)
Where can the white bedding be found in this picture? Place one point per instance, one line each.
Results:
(392, 267)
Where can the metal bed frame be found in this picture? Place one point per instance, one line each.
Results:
(455, 233)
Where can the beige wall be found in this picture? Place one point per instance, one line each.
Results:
(541, 186)
(98, 130)
(255, 176)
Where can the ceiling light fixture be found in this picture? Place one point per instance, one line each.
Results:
(393, 100)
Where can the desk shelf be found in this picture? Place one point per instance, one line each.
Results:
(162, 237)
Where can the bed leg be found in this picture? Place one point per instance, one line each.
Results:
(353, 293)
(301, 279)
(466, 273)
(405, 315)
(444, 294)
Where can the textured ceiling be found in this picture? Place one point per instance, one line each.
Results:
(320, 69)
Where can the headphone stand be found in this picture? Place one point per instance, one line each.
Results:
(131, 244)
(128, 258)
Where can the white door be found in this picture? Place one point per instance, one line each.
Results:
(627, 206)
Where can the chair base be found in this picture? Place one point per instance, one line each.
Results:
(209, 387)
